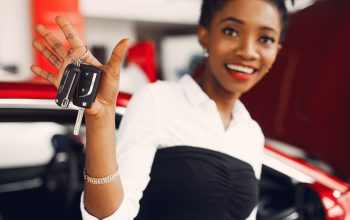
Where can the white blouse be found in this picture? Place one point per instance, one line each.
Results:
(166, 114)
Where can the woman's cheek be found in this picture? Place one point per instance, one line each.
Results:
(270, 58)
(224, 45)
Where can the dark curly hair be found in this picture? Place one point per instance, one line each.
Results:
(210, 7)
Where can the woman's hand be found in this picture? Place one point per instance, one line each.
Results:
(59, 57)
(100, 118)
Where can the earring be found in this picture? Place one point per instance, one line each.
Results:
(205, 52)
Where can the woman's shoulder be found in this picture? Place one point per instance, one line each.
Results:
(160, 89)
(165, 86)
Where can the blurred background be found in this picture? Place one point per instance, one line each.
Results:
(303, 105)
(170, 25)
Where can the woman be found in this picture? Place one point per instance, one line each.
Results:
(186, 150)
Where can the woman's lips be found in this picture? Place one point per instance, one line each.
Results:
(240, 76)
(240, 72)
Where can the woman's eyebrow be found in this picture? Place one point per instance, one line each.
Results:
(267, 28)
(239, 21)
(236, 20)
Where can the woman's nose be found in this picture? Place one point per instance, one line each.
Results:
(247, 50)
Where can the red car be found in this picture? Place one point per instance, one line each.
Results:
(41, 161)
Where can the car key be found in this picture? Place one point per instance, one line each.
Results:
(86, 91)
(67, 85)
(87, 87)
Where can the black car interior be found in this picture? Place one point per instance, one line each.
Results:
(282, 198)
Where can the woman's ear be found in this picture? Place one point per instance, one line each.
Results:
(202, 34)
(279, 48)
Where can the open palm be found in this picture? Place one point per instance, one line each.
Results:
(58, 56)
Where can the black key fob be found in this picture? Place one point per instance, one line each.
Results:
(67, 85)
(87, 87)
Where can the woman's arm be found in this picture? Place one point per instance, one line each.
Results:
(104, 199)
(100, 200)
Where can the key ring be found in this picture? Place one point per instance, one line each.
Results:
(71, 50)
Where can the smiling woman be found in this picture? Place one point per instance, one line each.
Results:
(242, 41)
(196, 127)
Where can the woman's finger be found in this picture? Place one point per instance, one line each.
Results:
(50, 77)
(52, 41)
(48, 54)
(89, 58)
(79, 49)
(116, 59)
(72, 36)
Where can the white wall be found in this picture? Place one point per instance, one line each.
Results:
(107, 32)
(165, 11)
(15, 38)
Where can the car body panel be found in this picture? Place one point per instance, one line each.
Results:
(42, 91)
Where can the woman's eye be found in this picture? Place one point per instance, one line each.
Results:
(230, 32)
(267, 40)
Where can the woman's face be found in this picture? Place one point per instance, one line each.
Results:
(242, 42)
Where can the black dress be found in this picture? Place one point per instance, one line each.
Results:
(190, 183)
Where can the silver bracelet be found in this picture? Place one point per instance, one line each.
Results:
(102, 180)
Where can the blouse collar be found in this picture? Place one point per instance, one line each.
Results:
(197, 96)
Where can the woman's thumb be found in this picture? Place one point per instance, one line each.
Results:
(118, 53)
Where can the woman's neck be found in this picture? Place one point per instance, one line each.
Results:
(224, 99)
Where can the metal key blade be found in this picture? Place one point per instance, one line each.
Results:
(78, 121)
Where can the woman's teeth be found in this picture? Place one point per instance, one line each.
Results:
(241, 69)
